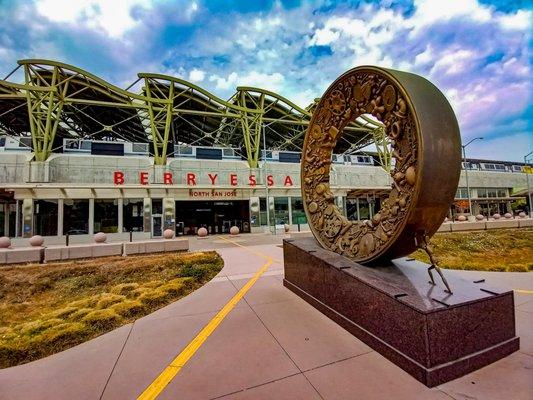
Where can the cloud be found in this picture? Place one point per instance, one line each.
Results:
(114, 17)
(196, 75)
(478, 54)
(271, 82)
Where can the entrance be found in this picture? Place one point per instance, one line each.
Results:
(215, 216)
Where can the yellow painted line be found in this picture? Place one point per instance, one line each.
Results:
(523, 291)
(257, 253)
(166, 376)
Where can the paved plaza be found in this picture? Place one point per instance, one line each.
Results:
(271, 345)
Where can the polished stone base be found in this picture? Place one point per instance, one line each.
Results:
(432, 335)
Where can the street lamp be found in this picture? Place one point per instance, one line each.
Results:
(466, 172)
(528, 189)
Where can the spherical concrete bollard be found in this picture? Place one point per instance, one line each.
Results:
(480, 217)
(508, 215)
(5, 242)
(461, 218)
(100, 237)
(168, 234)
(202, 232)
(234, 230)
(36, 241)
(287, 228)
(496, 216)
(522, 214)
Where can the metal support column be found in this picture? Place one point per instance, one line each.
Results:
(27, 218)
(147, 214)
(120, 205)
(60, 216)
(290, 209)
(91, 217)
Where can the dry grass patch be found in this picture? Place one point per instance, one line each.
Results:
(493, 250)
(48, 308)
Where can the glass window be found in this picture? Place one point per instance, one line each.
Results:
(255, 215)
(481, 192)
(491, 192)
(502, 192)
(351, 209)
(281, 210)
(133, 215)
(298, 213)
(76, 217)
(45, 217)
(263, 211)
(105, 216)
(364, 209)
(462, 193)
(157, 206)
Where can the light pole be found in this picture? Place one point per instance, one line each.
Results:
(466, 173)
(266, 182)
(528, 189)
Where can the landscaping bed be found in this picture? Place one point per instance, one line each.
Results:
(48, 308)
(492, 250)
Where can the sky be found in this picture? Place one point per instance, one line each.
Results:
(479, 53)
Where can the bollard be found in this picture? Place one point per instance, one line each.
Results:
(67, 239)
(298, 227)
(131, 236)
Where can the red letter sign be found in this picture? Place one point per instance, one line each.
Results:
(213, 178)
(233, 180)
(167, 178)
(270, 180)
(118, 178)
(143, 177)
(191, 179)
(251, 180)
(288, 181)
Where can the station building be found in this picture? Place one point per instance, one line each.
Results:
(79, 155)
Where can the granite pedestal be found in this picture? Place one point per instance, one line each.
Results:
(432, 335)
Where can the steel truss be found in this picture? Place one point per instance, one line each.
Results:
(58, 101)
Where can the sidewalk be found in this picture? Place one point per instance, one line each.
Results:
(272, 345)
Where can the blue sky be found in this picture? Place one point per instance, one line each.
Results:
(477, 52)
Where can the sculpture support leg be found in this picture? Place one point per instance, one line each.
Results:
(424, 245)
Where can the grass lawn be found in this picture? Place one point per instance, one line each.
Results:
(492, 250)
(48, 308)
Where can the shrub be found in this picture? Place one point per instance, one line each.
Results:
(61, 334)
(153, 284)
(174, 287)
(41, 285)
(62, 312)
(78, 315)
(88, 302)
(108, 299)
(197, 272)
(36, 327)
(12, 354)
(135, 293)
(517, 268)
(154, 297)
(124, 288)
(128, 308)
(102, 319)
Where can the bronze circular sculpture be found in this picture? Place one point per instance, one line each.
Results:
(427, 160)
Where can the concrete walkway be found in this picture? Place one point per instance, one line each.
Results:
(272, 345)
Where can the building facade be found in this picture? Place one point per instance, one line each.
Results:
(80, 194)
